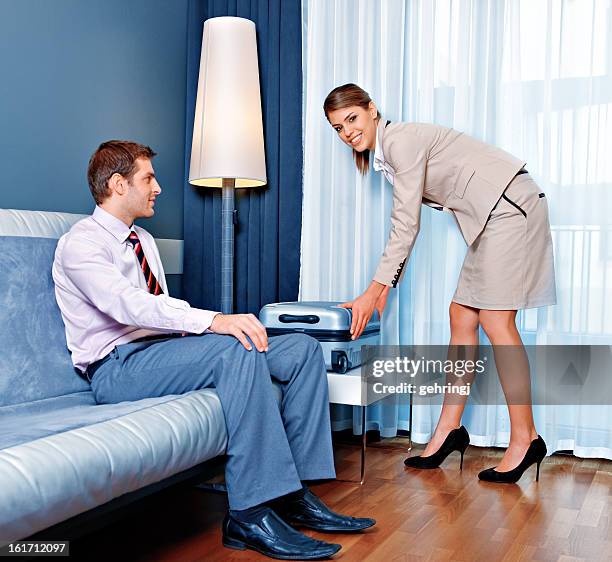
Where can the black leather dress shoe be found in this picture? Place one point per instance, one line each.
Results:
(309, 511)
(268, 534)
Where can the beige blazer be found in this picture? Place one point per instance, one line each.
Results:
(435, 164)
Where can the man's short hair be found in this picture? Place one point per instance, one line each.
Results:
(114, 157)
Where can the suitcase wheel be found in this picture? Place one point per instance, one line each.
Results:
(340, 362)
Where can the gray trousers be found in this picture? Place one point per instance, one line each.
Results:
(270, 449)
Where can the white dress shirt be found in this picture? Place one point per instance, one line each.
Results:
(102, 293)
(380, 164)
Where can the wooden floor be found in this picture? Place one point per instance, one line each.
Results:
(434, 515)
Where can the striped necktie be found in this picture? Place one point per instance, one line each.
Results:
(152, 283)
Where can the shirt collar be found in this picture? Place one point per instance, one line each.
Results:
(112, 224)
(379, 157)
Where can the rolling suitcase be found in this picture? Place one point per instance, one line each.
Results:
(326, 322)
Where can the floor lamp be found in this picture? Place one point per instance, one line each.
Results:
(227, 149)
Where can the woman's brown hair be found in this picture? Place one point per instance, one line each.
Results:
(347, 96)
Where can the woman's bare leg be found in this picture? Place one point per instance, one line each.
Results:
(513, 369)
(464, 331)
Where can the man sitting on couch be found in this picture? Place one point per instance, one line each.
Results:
(124, 332)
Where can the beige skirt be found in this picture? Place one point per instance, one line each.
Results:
(510, 265)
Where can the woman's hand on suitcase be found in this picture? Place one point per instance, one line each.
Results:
(363, 308)
(240, 326)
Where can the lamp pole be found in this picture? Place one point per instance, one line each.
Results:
(227, 245)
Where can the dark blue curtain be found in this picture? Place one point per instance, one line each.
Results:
(267, 236)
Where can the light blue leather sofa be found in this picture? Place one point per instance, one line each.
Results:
(61, 455)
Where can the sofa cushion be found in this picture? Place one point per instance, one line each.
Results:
(35, 362)
(49, 480)
(20, 423)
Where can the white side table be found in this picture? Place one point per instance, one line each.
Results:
(350, 389)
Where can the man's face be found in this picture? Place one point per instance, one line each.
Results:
(142, 190)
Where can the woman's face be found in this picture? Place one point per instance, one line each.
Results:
(355, 126)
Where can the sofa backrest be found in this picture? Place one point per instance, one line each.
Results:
(34, 360)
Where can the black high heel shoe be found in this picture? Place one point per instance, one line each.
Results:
(535, 454)
(456, 440)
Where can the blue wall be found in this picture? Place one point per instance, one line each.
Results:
(74, 73)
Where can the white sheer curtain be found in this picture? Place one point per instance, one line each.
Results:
(531, 76)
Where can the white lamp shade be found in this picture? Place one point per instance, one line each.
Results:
(228, 132)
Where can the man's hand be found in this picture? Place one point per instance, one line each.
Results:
(240, 326)
(363, 307)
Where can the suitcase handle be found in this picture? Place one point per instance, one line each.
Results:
(306, 319)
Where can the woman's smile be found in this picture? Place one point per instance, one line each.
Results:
(356, 139)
